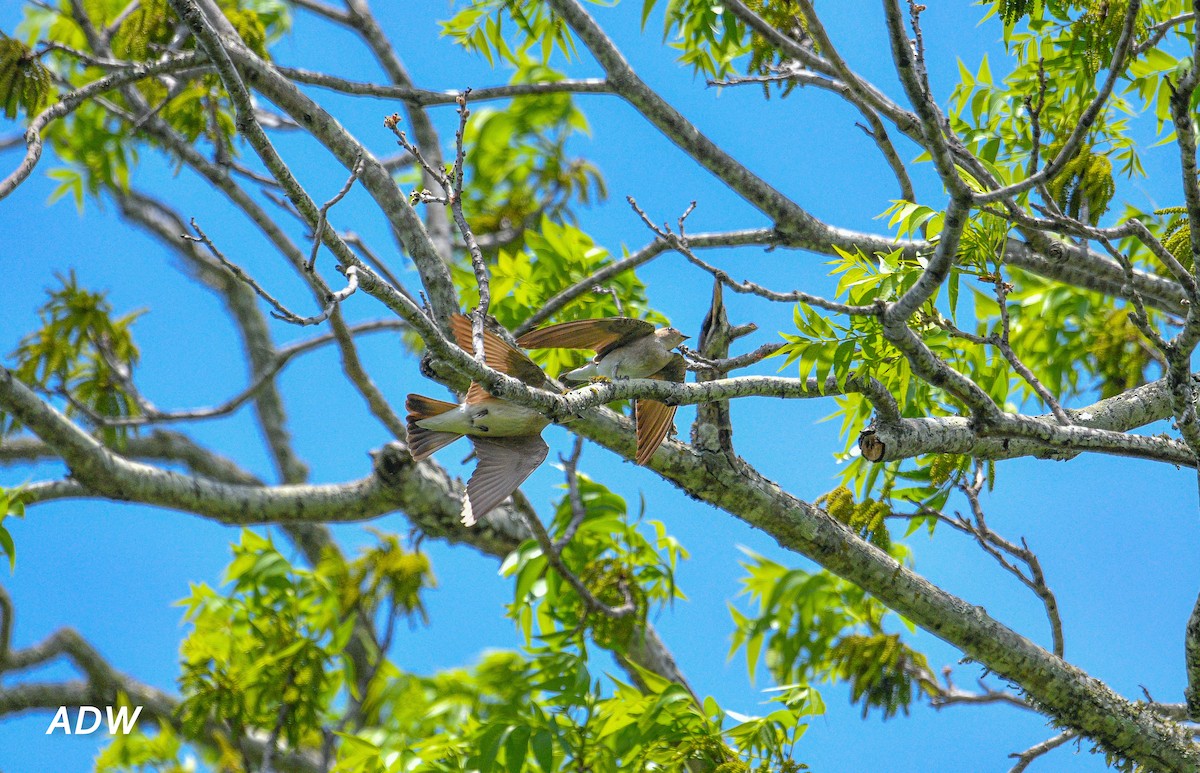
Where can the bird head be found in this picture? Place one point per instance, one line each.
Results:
(670, 337)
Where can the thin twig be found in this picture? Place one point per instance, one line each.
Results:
(578, 511)
(554, 558)
(151, 415)
(1002, 343)
(950, 694)
(697, 361)
(1159, 31)
(761, 236)
(1001, 549)
(680, 244)
(375, 262)
(478, 264)
(281, 311)
(1037, 750)
(616, 298)
(427, 98)
(323, 214)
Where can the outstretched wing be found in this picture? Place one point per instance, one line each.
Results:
(654, 419)
(504, 464)
(599, 335)
(498, 354)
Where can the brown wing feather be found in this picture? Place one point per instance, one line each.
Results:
(504, 464)
(675, 370)
(497, 352)
(599, 335)
(424, 442)
(477, 394)
(654, 420)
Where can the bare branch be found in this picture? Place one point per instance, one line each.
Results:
(1001, 549)
(281, 311)
(1033, 752)
(554, 558)
(1102, 426)
(763, 236)
(801, 227)
(323, 10)
(323, 213)
(578, 512)
(232, 404)
(1005, 346)
(916, 87)
(427, 98)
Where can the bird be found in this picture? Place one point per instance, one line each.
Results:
(625, 348)
(507, 437)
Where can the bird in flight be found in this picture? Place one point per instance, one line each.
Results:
(625, 348)
(507, 437)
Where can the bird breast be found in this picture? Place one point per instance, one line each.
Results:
(640, 359)
(489, 418)
(496, 418)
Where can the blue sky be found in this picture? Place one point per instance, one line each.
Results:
(1117, 538)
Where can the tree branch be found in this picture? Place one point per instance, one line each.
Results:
(1110, 419)
(428, 98)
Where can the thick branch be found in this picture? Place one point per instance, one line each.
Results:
(1127, 411)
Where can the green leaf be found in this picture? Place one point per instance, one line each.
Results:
(515, 747)
(542, 744)
(8, 548)
(647, 7)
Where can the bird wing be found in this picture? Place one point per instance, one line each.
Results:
(654, 419)
(504, 464)
(498, 354)
(423, 442)
(675, 370)
(477, 394)
(599, 335)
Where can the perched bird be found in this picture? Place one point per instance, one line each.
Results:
(507, 437)
(625, 348)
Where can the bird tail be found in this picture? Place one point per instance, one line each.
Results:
(421, 441)
(585, 373)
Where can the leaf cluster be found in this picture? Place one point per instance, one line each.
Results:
(75, 352)
(25, 84)
(866, 517)
(813, 626)
(94, 142)
(141, 751)
(261, 655)
(510, 30)
(385, 575)
(614, 558)
(1177, 234)
(1073, 341)
(883, 672)
(1085, 186)
(546, 712)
